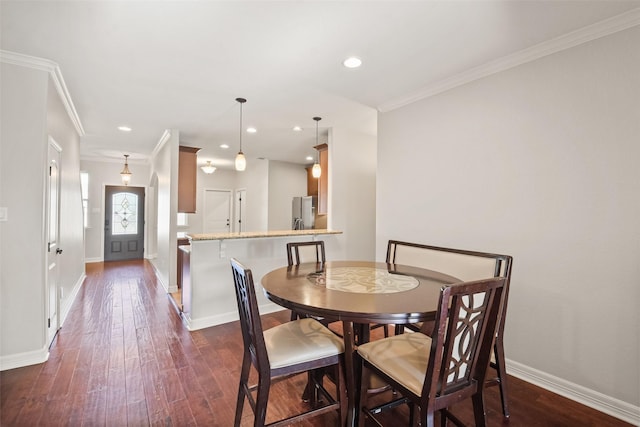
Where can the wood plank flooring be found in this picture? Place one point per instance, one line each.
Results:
(124, 358)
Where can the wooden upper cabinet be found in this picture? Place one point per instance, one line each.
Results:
(323, 181)
(187, 175)
(312, 183)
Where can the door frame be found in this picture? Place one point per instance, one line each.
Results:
(52, 325)
(103, 208)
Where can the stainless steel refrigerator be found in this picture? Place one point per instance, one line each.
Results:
(303, 212)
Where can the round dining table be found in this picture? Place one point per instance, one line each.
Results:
(358, 293)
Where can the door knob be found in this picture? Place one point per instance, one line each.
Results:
(58, 251)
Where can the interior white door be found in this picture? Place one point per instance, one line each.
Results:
(53, 246)
(217, 211)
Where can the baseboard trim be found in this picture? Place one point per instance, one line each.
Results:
(90, 260)
(219, 319)
(20, 360)
(591, 398)
(66, 307)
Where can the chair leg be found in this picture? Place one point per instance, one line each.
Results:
(478, 409)
(260, 413)
(244, 378)
(341, 392)
(502, 375)
(365, 379)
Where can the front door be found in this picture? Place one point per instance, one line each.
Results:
(53, 247)
(123, 223)
(240, 213)
(217, 211)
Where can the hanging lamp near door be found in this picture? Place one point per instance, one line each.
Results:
(241, 161)
(126, 173)
(316, 170)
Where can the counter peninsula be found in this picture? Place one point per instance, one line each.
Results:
(208, 296)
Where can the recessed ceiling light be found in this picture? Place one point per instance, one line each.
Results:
(352, 62)
(252, 130)
(124, 128)
(297, 128)
(224, 146)
(309, 158)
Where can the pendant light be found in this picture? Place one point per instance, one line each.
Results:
(316, 170)
(126, 173)
(241, 161)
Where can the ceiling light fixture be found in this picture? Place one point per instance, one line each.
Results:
(297, 128)
(126, 173)
(251, 130)
(241, 161)
(124, 128)
(316, 170)
(208, 168)
(224, 146)
(352, 62)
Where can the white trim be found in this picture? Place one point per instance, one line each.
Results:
(219, 319)
(64, 311)
(163, 139)
(28, 358)
(591, 398)
(96, 259)
(592, 32)
(56, 76)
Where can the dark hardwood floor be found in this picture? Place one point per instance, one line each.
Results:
(124, 358)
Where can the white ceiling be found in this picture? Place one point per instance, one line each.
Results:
(156, 65)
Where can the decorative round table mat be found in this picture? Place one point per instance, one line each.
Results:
(364, 280)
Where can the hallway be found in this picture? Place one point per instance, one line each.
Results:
(123, 358)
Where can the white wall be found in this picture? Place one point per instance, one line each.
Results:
(102, 174)
(255, 179)
(539, 162)
(32, 111)
(286, 180)
(164, 165)
(352, 192)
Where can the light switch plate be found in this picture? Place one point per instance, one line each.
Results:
(4, 214)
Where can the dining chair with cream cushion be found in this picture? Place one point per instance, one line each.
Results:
(434, 372)
(465, 265)
(299, 346)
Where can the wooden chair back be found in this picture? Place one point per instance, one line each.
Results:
(298, 252)
(250, 324)
(461, 344)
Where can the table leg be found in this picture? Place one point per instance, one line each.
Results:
(350, 373)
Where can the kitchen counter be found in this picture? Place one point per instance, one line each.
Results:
(208, 292)
(260, 234)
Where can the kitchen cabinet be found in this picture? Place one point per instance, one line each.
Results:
(312, 183)
(187, 174)
(323, 181)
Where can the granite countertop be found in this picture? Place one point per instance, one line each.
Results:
(259, 234)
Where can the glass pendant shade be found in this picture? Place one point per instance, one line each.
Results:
(241, 162)
(316, 170)
(126, 173)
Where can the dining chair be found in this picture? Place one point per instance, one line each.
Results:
(465, 265)
(434, 372)
(300, 346)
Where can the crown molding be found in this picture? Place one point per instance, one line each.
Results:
(592, 32)
(163, 139)
(56, 76)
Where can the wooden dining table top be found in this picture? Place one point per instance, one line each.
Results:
(358, 291)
